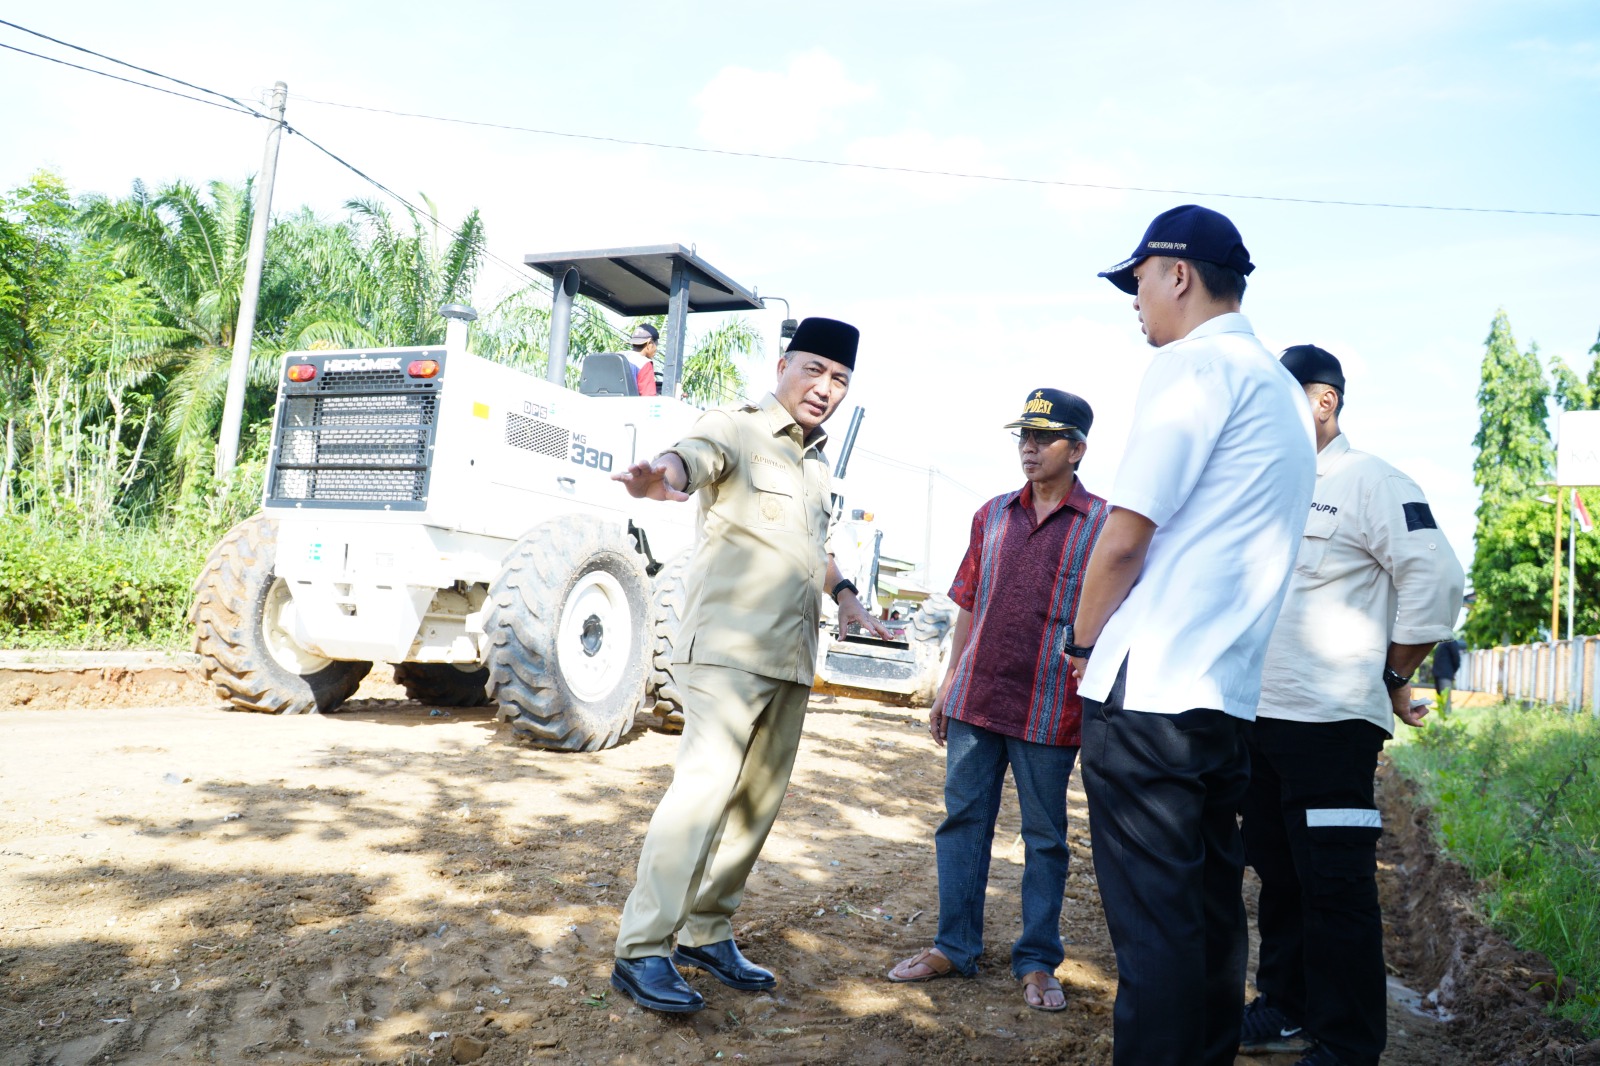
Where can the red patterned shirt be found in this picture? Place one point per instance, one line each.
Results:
(1021, 579)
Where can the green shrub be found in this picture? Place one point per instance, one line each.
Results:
(60, 587)
(1516, 801)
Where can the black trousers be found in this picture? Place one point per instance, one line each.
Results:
(1311, 831)
(1164, 792)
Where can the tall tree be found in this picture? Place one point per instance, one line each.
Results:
(1513, 440)
(35, 252)
(1514, 460)
(82, 344)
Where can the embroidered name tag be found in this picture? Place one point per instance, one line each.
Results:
(1419, 516)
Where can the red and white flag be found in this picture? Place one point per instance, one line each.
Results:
(1580, 514)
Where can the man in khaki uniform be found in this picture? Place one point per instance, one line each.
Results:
(744, 661)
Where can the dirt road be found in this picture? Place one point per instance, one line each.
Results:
(397, 884)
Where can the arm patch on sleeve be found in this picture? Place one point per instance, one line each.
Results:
(1419, 516)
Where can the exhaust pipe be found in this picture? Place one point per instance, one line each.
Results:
(455, 327)
(561, 326)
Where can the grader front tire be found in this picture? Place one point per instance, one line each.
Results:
(247, 655)
(567, 652)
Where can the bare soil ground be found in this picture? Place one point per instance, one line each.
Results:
(399, 884)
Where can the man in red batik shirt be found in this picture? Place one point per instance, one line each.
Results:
(1010, 699)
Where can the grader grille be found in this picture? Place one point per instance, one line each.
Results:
(355, 438)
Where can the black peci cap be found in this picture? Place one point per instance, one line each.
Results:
(1187, 232)
(1057, 411)
(827, 337)
(1308, 364)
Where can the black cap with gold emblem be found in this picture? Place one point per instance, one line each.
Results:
(1056, 411)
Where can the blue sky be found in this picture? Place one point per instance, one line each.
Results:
(969, 293)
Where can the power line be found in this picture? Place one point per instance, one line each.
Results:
(130, 81)
(519, 272)
(888, 460)
(927, 172)
(245, 109)
(239, 105)
(772, 157)
(959, 485)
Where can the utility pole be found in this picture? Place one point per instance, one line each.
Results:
(238, 369)
(927, 536)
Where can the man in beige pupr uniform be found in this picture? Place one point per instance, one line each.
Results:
(744, 662)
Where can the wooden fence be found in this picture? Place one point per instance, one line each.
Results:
(1562, 673)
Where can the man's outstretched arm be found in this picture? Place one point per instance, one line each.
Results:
(661, 478)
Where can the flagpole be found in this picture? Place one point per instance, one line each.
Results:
(1572, 559)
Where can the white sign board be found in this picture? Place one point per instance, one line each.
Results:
(1578, 448)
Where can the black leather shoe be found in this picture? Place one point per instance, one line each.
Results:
(724, 962)
(655, 984)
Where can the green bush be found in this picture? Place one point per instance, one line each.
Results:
(1516, 801)
(70, 580)
(60, 587)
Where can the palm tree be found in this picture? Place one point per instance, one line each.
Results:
(188, 250)
(355, 283)
(404, 278)
(711, 371)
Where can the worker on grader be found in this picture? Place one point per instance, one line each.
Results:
(745, 660)
(642, 357)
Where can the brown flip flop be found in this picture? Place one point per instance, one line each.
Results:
(1042, 982)
(933, 959)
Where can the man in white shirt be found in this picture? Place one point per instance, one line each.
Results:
(1177, 606)
(1374, 587)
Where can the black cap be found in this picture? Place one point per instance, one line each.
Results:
(1052, 409)
(827, 337)
(1308, 364)
(643, 334)
(1187, 232)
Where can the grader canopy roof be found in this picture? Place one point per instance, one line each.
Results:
(639, 281)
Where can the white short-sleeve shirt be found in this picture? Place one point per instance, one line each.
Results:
(1373, 568)
(1222, 458)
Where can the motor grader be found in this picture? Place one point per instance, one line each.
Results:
(456, 517)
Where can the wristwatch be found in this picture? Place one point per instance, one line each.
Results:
(1394, 680)
(1071, 650)
(845, 583)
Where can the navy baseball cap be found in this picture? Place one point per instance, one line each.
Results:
(1309, 364)
(1187, 232)
(1055, 411)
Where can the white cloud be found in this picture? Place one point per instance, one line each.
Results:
(770, 111)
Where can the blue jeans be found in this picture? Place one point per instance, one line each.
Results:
(975, 771)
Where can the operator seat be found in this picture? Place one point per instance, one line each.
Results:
(608, 374)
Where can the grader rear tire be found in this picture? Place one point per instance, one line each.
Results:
(246, 653)
(444, 684)
(667, 603)
(567, 622)
(930, 634)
